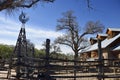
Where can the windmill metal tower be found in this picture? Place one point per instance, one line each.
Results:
(22, 50)
(21, 45)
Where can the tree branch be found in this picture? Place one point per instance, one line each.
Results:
(89, 5)
(81, 48)
(12, 4)
(29, 5)
(65, 41)
(85, 33)
(6, 4)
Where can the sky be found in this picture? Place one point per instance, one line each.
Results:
(43, 19)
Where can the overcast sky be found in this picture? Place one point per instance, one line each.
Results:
(43, 19)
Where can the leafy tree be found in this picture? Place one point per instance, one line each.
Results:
(54, 49)
(73, 37)
(5, 51)
(39, 53)
(70, 56)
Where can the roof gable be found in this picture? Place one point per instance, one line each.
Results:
(102, 35)
(113, 29)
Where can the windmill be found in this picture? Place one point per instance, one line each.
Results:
(23, 49)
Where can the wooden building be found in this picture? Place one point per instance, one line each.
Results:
(110, 44)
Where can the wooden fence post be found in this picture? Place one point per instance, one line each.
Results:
(100, 67)
(47, 58)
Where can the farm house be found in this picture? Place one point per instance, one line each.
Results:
(110, 46)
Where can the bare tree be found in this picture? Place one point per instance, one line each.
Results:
(73, 38)
(15, 4)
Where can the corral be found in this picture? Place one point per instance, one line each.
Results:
(23, 66)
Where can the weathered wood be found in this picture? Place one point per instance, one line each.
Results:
(47, 59)
(100, 73)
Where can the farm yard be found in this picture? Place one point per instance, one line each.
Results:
(78, 52)
(92, 64)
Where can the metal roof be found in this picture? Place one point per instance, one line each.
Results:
(116, 48)
(114, 29)
(104, 44)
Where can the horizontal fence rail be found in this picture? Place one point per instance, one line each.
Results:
(64, 69)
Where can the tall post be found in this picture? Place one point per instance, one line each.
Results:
(100, 71)
(47, 58)
(75, 64)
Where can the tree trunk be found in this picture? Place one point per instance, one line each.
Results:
(75, 63)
